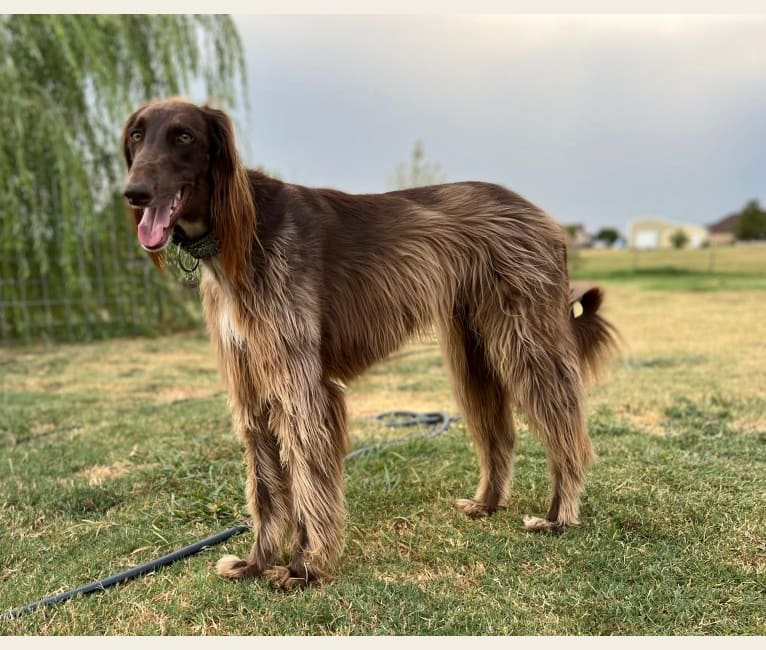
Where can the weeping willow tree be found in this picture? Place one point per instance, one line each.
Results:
(69, 267)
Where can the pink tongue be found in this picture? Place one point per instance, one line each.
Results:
(154, 226)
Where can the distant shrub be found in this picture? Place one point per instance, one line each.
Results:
(679, 239)
(751, 223)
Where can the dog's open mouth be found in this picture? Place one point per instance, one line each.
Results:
(156, 225)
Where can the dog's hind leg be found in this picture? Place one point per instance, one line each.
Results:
(530, 345)
(552, 395)
(483, 400)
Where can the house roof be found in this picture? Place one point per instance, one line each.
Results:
(725, 225)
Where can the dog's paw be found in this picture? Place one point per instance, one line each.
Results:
(288, 577)
(233, 568)
(280, 577)
(476, 509)
(540, 525)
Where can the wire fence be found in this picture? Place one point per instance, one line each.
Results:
(109, 289)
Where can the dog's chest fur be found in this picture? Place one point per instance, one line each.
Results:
(263, 340)
(230, 331)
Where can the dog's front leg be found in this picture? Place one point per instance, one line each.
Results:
(313, 440)
(268, 499)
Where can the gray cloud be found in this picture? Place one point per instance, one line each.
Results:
(596, 119)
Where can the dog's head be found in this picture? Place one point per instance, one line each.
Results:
(184, 173)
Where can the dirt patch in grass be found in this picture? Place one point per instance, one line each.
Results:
(98, 474)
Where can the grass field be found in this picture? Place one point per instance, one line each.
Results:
(693, 269)
(117, 452)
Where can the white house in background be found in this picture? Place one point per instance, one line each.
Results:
(656, 232)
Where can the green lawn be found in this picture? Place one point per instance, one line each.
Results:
(701, 269)
(120, 451)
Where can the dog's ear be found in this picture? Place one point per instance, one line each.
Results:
(232, 210)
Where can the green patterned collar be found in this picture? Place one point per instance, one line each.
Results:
(201, 248)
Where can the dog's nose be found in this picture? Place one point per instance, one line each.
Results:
(138, 194)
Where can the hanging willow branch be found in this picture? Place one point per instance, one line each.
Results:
(69, 82)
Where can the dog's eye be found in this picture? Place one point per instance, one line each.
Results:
(136, 135)
(184, 137)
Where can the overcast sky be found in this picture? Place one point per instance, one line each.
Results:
(596, 119)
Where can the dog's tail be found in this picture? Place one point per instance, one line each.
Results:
(596, 337)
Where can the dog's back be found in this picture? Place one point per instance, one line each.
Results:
(384, 266)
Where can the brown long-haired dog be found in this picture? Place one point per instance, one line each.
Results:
(304, 287)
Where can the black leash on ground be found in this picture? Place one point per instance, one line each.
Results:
(438, 421)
